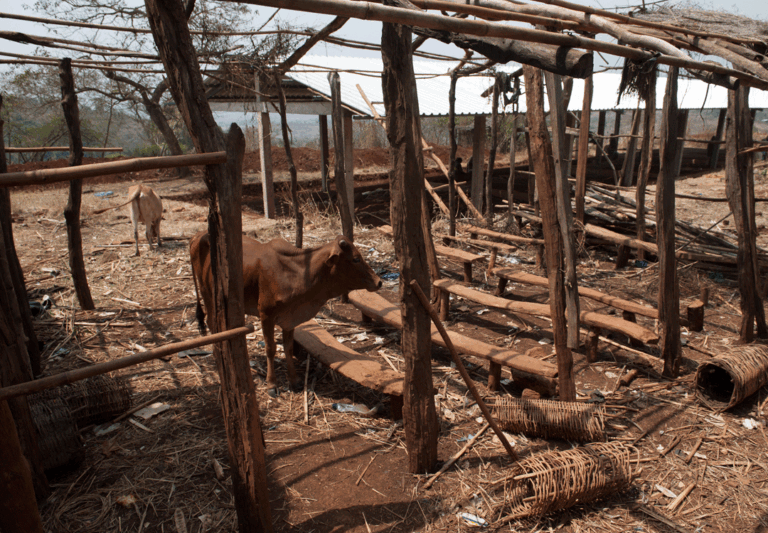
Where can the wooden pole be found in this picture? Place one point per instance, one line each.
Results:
(298, 216)
(682, 128)
(478, 161)
(453, 163)
(22, 149)
(646, 158)
(600, 136)
(492, 152)
(406, 193)
(628, 170)
(72, 210)
(462, 370)
(324, 155)
(543, 166)
(715, 146)
(339, 177)
(265, 153)
(349, 164)
(583, 157)
(740, 189)
(669, 292)
(563, 206)
(55, 175)
(512, 221)
(240, 406)
(613, 142)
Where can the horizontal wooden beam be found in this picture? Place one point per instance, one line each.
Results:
(64, 378)
(54, 175)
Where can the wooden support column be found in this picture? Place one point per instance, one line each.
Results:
(600, 134)
(583, 157)
(240, 407)
(454, 167)
(512, 221)
(339, 175)
(543, 166)
(628, 170)
(407, 199)
(613, 143)
(478, 161)
(17, 274)
(72, 210)
(298, 216)
(324, 153)
(563, 204)
(349, 165)
(740, 189)
(714, 149)
(682, 128)
(669, 291)
(492, 151)
(646, 158)
(265, 154)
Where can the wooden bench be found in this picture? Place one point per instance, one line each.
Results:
(364, 369)
(528, 372)
(467, 259)
(595, 320)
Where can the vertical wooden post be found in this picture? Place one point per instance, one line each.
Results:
(682, 129)
(563, 205)
(453, 163)
(583, 157)
(406, 192)
(72, 210)
(600, 134)
(298, 216)
(628, 170)
(478, 161)
(17, 274)
(613, 143)
(339, 177)
(324, 151)
(669, 292)
(715, 147)
(511, 179)
(224, 181)
(492, 152)
(543, 166)
(349, 165)
(18, 508)
(740, 189)
(265, 153)
(646, 158)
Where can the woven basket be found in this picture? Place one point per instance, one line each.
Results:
(729, 379)
(553, 481)
(57, 436)
(580, 422)
(94, 400)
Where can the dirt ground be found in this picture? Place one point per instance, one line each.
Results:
(338, 471)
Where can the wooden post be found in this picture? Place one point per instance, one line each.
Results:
(511, 180)
(492, 151)
(18, 508)
(324, 154)
(72, 210)
(339, 177)
(583, 157)
(349, 165)
(298, 216)
(740, 189)
(669, 292)
(600, 134)
(563, 205)
(240, 407)
(406, 193)
(265, 153)
(682, 128)
(715, 148)
(17, 274)
(646, 158)
(453, 163)
(478, 161)
(543, 166)
(628, 170)
(613, 143)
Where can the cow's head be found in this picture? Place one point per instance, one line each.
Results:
(349, 269)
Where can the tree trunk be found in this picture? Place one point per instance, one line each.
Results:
(17, 274)
(740, 189)
(160, 121)
(669, 292)
(297, 214)
(407, 190)
(543, 166)
(72, 210)
(339, 177)
(646, 154)
(224, 182)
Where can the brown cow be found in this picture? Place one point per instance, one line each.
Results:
(284, 286)
(146, 207)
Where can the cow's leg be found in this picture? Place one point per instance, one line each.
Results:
(268, 329)
(156, 227)
(135, 222)
(149, 230)
(294, 381)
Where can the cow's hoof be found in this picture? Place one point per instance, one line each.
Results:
(272, 392)
(297, 387)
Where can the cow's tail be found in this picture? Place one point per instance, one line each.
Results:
(135, 195)
(199, 313)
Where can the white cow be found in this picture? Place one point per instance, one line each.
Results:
(146, 207)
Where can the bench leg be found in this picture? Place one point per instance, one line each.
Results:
(396, 406)
(591, 344)
(630, 317)
(622, 256)
(365, 318)
(494, 376)
(501, 287)
(696, 316)
(468, 271)
(445, 305)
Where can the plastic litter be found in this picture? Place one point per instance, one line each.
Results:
(641, 264)
(103, 194)
(473, 520)
(194, 351)
(390, 276)
(355, 408)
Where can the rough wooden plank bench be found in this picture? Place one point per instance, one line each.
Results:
(528, 372)
(467, 259)
(595, 320)
(366, 370)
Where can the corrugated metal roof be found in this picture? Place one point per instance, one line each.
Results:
(433, 82)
